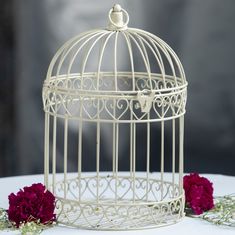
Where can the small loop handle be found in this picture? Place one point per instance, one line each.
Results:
(117, 25)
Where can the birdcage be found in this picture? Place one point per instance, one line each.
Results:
(85, 87)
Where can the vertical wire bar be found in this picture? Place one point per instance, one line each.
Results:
(132, 153)
(65, 154)
(114, 141)
(129, 45)
(114, 103)
(115, 61)
(131, 147)
(162, 157)
(54, 154)
(101, 53)
(46, 148)
(97, 154)
(134, 159)
(102, 46)
(116, 124)
(116, 163)
(173, 155)
(181, 152)
(80, 123)
(148, 157)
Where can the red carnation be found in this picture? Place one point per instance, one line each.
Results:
(198, 193)
(32, 204)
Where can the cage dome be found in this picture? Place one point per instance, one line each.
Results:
(122, 77)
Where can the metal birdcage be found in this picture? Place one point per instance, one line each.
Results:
(150, 92)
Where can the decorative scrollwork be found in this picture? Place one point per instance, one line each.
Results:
(119, 108)
(103, 211)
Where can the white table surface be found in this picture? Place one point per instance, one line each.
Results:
(222, 185)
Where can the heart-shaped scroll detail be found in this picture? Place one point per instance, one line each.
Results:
(93, 215)
(162, 102)
(73, 187)
(59, 101)
(91, 108)
(50, 99)
(123, 187)
(177, 103)
(141, 188)
(64, 100)
(77, 210)
(91, 185)
(115, 216)
(121, 105)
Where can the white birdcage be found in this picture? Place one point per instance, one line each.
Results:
(150, 93)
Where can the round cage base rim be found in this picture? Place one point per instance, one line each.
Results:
(123, 229)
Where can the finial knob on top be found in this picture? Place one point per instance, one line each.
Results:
(117, 8)
(116, 21)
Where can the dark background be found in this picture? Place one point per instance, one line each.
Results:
(201, 32)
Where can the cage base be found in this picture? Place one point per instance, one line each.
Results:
(120, 214)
